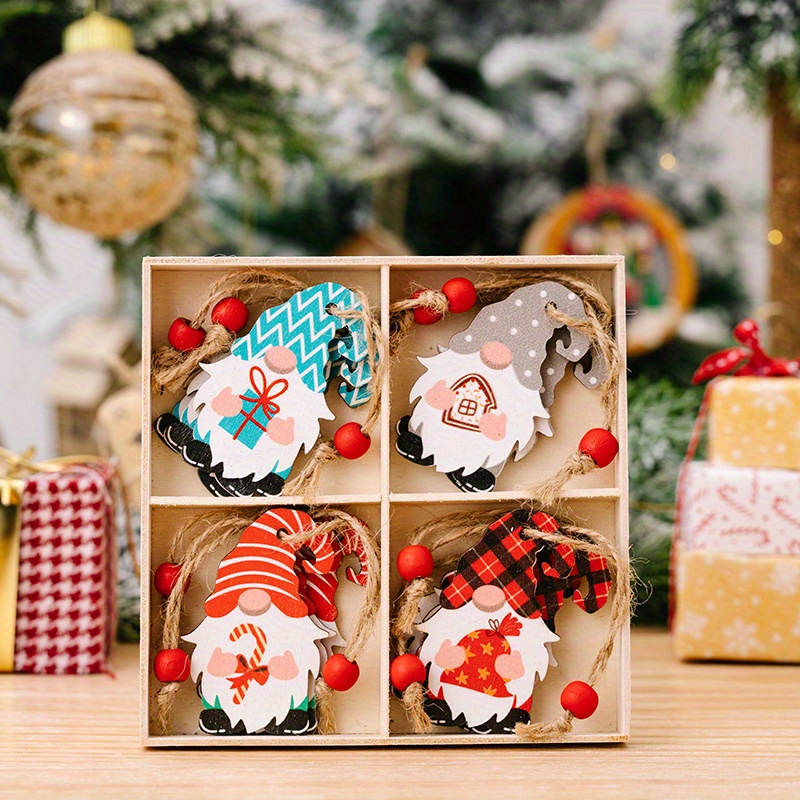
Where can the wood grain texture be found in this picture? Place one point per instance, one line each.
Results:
(698, 730)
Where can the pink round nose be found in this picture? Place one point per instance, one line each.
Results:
(281, 360)
(254, 602)
(488, 598)
(495, 355)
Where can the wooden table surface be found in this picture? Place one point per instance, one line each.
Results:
(699, 730)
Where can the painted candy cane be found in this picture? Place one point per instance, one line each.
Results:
(249, 670)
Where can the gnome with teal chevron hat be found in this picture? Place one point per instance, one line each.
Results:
(247, 414)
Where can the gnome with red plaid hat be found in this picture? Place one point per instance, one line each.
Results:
(487, 638)
(269, 627)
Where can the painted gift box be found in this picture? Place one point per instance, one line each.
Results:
(755, 422)
(58, 565)
(736, 607)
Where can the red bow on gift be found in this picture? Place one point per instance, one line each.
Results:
(751, 357)
(246, 674)
(510, 626)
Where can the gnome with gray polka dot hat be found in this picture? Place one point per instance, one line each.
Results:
(488, 393)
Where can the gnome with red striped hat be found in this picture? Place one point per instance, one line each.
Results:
(269, 627)
(488, 631)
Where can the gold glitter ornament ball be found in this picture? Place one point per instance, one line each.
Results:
(105, 137)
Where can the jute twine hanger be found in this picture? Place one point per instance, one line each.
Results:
(466, 528)
(597, 326)
(172, 369)
(198, 538)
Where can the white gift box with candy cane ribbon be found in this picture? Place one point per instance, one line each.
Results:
(740, 509)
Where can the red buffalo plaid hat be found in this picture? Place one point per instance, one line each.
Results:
(535, 575)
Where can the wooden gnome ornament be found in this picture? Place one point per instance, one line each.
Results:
(485, 397)
(481, 642)
(247, 414)
(270, 625)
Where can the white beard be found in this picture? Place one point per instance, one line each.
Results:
(454, 624)
(455, 448)
(239, 461)
(273, 700)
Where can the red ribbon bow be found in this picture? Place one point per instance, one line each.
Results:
(510, 626)
(246, 674)
(750, 359)
(267, 392)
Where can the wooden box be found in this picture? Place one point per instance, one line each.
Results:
(392, 495)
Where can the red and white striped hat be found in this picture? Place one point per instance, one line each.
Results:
(261, 560)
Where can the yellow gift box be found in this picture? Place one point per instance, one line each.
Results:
(736, 607)
(755, 422)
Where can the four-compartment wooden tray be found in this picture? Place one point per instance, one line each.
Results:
(392, 495)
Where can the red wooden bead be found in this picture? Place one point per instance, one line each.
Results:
(580, 699)
(230, 312)
(424, 315)
(461, 294)
(182, 336)
(171, 665)
(601, 445)
(166, 578)
(351, 441)
(339, 673)
(405, 670)
(415, 561)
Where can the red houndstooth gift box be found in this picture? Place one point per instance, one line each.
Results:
(65, 612)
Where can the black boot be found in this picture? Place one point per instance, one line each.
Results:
(505, 725)
(218, 723)
(479, 481)
(297, 723)
(440, 713)
(180, 437)
(269, 486)
(409, 445)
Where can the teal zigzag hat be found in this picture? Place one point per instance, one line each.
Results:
(304, 325)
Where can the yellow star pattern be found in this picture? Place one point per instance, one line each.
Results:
(467, 654)
(490, 690)
(487, 648)
(483, 673)
(474, 635)
(506, 645)
(462, 678)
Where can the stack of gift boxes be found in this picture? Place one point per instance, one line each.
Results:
(737, 551)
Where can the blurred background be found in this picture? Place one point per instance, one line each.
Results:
(388, 127)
